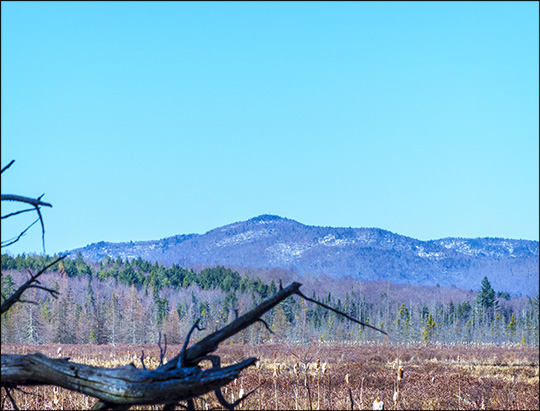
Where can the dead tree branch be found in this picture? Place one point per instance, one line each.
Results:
(15, 239)
(17, 212)
(162, 350)
(37, 203)
(180, 379)
(31, 283)
(209, 344)
(122, 385)
(340, 313)
(8, 166)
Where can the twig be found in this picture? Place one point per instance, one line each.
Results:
(161, 350)
(210, 343)
(463, 399)
(298, 292)
(266, 325)
(8, 166)
(36, 202)
(17, 212)
(142, 360)
(216, 362)
(16, 296)
(7, 390)
(14, 240)
(42, 228)
(182, 362)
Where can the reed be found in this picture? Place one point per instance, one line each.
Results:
(501, 378)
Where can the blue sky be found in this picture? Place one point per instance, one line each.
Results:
(142, 120)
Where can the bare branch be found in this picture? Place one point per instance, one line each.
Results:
(14, 240)
(8, 166)
(36, 202)
(260, 320)
(53, 293)
(16, 296)
(186, 342)
(7, 389)
(216, 362)
(142, 360)
(210, 343)
(42, 228)
(162, 351)
(17, 212)
(339, 312)
(121, 385)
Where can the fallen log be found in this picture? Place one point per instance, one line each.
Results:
(120, 385)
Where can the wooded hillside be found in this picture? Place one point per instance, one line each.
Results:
(118, 301)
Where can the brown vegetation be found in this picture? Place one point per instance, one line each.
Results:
(330, 376)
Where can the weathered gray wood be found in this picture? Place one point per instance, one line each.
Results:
(121, 385)
(210, 343)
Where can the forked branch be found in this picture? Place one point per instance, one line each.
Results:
(31, 283)
(36, 203)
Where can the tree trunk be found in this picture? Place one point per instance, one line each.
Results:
(121, 385)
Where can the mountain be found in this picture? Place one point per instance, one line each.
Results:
(365, 254)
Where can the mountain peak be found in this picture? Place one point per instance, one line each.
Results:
(365, 254)
(263, 218)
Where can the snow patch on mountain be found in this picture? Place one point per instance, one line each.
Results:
(420, 252)
(242, 238)
(286, 253)
(331, 241)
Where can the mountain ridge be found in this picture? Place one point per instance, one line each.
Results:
(270, 241)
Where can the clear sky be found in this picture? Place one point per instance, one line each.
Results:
(142, 120)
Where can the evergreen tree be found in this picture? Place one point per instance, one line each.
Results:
(429, 328)
(486, 300)
(512, 327)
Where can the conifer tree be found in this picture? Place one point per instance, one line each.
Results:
(429, 328)
(486, 300)
(512, 327)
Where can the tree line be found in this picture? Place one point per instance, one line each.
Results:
(120, 301)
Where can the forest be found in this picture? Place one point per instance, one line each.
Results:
(133, 302)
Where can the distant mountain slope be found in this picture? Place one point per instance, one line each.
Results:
(269, 241)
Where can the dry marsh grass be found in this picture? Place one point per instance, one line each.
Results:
(330, 377)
